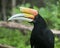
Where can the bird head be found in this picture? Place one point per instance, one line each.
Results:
(27, 14)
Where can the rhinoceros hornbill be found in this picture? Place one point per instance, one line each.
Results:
(41, 36)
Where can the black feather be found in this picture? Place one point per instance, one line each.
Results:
(41, 36)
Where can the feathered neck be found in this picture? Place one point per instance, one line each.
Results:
(39, 22)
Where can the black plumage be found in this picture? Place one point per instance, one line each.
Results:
(41, 36)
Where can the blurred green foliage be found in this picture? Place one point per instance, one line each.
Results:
(57, 42)
(14, 37)
(51, 15)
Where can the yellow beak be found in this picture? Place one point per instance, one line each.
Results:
(27, 14)
(29, 11)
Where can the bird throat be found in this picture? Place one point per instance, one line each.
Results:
(39, 22)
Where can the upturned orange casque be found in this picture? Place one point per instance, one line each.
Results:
(29, 11)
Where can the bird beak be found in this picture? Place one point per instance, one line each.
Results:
(22, 16)
(29, 11)
(27, 14)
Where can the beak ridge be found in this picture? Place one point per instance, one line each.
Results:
(20, 16)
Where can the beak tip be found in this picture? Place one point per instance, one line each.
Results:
(8, 19)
